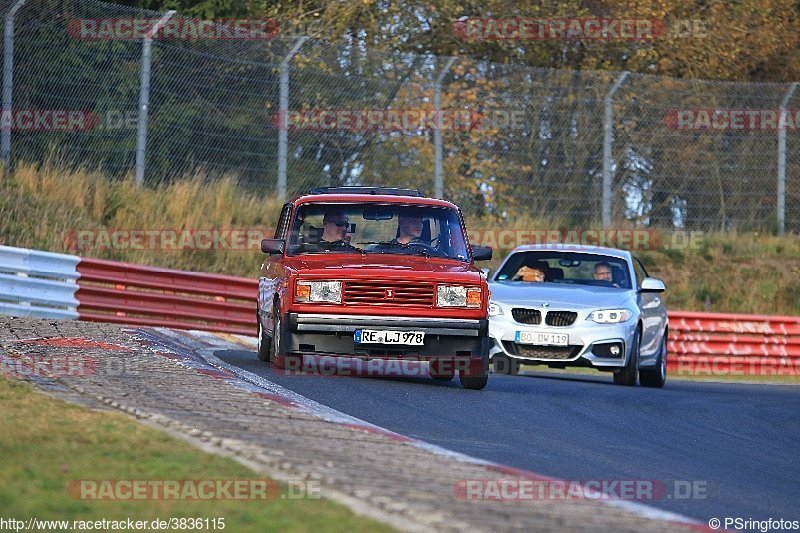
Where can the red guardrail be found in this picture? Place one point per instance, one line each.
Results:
(700, 343)
(727, 344)
(147, 296)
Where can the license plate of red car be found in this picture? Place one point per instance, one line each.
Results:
(386, 336)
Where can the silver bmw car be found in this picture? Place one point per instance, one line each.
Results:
(573, 305)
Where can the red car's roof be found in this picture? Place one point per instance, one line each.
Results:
(370, 198)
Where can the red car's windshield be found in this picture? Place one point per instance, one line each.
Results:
(370, 228)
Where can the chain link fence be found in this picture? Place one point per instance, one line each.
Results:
(502, 140)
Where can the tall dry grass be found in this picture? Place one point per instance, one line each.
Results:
(42, 205)
(732, 272)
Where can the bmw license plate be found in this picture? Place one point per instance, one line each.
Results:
(385, 336)
(542, 339)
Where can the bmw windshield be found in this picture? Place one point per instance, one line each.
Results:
(567, 268)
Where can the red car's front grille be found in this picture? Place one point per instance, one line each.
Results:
(388, 293)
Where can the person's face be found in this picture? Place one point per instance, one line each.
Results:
(533, 274)
(602, 272)
(335, 227)
(411, 227)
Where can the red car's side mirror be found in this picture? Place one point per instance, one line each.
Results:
(273, 246)
(482, 253)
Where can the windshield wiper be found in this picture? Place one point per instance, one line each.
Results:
(402, 246)
(329, 248)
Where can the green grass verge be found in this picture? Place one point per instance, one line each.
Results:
(46, 443)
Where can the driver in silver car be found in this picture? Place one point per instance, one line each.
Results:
(602, 272)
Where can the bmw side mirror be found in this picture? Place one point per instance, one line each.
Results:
(652, 285)
(272, 246)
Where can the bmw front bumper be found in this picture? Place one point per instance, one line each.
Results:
(603, 346)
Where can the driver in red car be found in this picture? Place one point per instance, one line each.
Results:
(334, 227)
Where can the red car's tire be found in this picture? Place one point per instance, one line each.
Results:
(280, 359)
(443, 370)
(476, 375)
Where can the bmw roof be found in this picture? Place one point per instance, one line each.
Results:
(577, 248)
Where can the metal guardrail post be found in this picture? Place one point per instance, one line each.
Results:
(144, 97)
(608, 140)
(438, 172)
(781, 200)
(8, 79)
(283, 126)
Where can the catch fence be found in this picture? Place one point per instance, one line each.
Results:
(284, 113)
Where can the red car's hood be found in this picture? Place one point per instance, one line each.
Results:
(383, 266)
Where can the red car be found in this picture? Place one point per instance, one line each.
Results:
(369, 273)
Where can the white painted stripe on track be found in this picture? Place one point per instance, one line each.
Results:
(310, 406)
(203, 343)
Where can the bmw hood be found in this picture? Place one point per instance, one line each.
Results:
(531, 294)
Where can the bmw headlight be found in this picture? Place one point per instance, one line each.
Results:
(458, 296)
(318, 291)
(610, 316)
(494, 309)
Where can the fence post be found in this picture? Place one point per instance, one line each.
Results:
(782, 159)
(8, 82)
(608, 140)
(144, 97)
(283, 125)
(438, 171)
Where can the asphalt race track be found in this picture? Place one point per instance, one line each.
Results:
(740, 442)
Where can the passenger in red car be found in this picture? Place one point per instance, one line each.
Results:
(409, 229)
